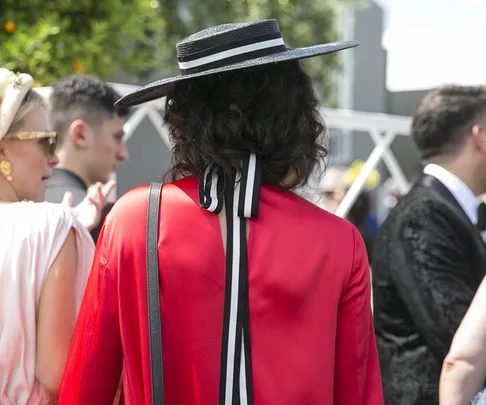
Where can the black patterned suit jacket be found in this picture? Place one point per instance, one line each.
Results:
(428, 262)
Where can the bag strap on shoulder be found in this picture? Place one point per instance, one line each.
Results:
(155, 330)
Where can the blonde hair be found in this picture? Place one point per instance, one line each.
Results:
(31, 100)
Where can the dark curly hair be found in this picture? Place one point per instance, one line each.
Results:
(85, 97)
(444, 118)
(270, 110)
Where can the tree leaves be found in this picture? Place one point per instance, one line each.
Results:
(57, 37)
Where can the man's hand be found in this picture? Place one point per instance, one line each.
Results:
(88, 211)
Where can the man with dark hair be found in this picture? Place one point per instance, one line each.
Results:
(91, 144)
(430, 256)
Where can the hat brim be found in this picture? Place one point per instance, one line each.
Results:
(161, 87)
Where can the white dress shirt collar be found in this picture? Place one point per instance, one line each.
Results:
(461, 192)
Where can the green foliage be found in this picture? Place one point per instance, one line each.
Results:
(50, 38)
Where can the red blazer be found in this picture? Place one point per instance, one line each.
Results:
(311, 326)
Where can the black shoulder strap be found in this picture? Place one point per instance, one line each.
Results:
(155, 332)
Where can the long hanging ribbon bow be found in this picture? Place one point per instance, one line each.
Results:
(240, 199)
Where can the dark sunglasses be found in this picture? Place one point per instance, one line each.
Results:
(49, 139)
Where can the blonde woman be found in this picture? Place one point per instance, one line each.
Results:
(45, 251)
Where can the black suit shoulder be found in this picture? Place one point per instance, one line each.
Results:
(425, 211)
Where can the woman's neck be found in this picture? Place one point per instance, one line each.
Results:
(8, 194)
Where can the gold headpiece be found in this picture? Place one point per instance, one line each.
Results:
(13, 88)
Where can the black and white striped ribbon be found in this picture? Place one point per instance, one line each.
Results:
(240, 202)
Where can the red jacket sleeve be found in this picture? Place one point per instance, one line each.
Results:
(357, 372)
(94, 363)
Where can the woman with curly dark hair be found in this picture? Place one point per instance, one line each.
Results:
(255, 295)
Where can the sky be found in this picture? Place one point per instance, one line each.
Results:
(432, 42)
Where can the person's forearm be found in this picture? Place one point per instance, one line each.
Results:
(460, 381)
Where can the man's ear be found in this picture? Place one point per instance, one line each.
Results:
(478, 133)
(80, 134)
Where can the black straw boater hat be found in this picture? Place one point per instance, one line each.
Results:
(229, 47)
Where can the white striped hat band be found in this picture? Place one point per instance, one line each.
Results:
(233, 53)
